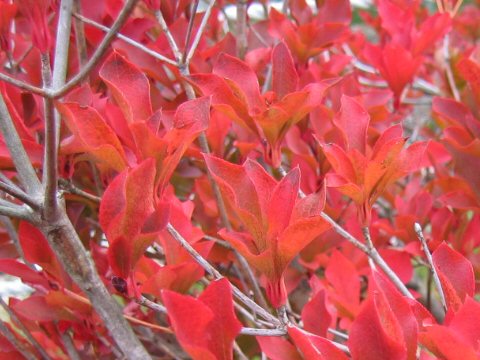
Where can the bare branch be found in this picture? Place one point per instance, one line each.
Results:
(72, 189)
(60, 64)
(151, 305)
(168, 34)
(99, 51)
(69, 345)
(65, 242)
(19, 194)
(50, 147)
(263, 332)
(10, 336)
(200, 30)
(80, 41)
(24, 330)
(428, 255)
(193, 13)
(14, 211)
(12, 233)
(129, 41)
(242, 7)
(22, 163)
(22, 85)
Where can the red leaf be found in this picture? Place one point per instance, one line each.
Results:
(37, 308)
(92, 135)
(375, 332)
(284, 75)
(240, 73)
(129, 86)
(277, 348)
(344, 278)
(456, 275)
(402, 311)
(127, 206)
(353, 121)
(315, 316)
(28, 276)
(37, 250)
(207, 326)
(315, 347)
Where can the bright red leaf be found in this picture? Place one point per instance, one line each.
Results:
(207, 326)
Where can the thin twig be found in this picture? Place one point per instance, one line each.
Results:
(199, 33)
(12, 233)
(14, 211)
(448, 68)
(193, 13)
(214, 272)
(72, 189)
(126, 39)
(10, 336)
(69, 345)
(263, 332)
(23, 85)
(25, 331)
(19, 194)
(338, 333)
(428, 255)
(80, 40)
(370, 252)
(99, 51)
(238, 351)
(151, 305)
(241, 35)
(169, 36)
(50, 203)
(20, 159)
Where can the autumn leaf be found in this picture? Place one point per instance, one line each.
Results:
(275, 229)
(207, 326)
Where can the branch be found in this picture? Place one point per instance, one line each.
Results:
(448, 68)
(81, 43)
(371, 252)
(99, 51)
(69, 345)
(14, 211)
(193, 13)
(20, 159)
(19, 194)
(428, 255)
(242, 7)
(263, 332)
(214, 272)
(151, 305)
(25, 331)
(72, 189)
(10, 336)
(199, 34)
(50, 204)
(22, 85)
(12, 233)
(129, 41)
(73, 257)
(168, 34)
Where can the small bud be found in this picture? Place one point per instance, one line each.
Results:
(417, 227)
(119, 284)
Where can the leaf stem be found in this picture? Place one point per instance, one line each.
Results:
(25, 331)
(428, 255)
(214, 272)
